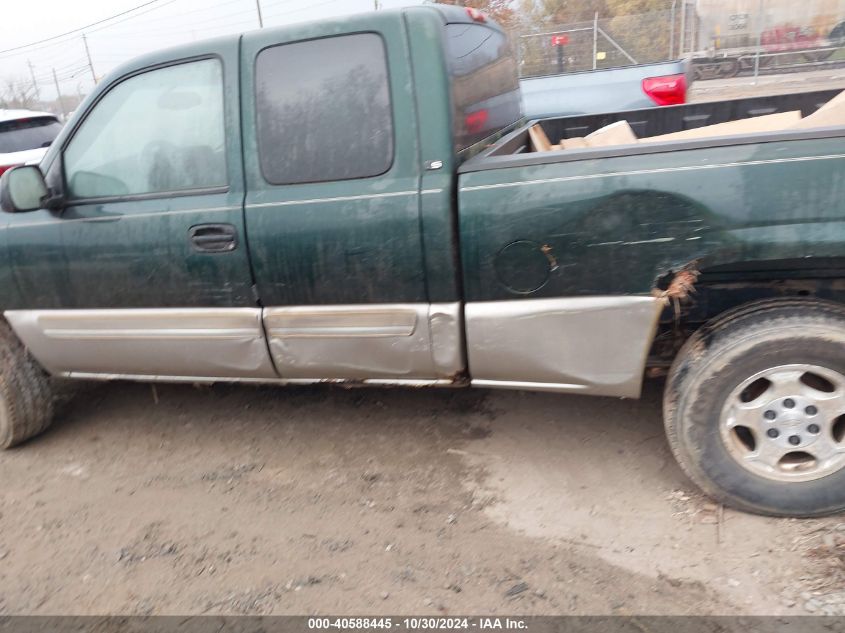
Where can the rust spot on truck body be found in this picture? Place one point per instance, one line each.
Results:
(547, 251)
(681, 284)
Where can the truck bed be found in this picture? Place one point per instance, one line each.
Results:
(646, 123)
(617, 220)
(580, 240)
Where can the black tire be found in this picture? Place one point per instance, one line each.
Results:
(837, 35)
(819, 55)
(715, 361)
(729, 68)
(26, 394)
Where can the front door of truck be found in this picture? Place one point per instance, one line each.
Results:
(332, 206)
(155, 278)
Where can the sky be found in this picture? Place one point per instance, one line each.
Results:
(159, 24)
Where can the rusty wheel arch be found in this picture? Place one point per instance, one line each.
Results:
(695, 296)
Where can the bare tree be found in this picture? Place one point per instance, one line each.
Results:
(17, 93)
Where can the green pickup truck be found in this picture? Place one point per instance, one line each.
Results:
(354, 201)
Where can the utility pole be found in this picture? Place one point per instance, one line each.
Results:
(34, 83)
(759, 42)
(88, 54)
(59, 93)
(596, 40)
(260, 19)
(672, 30)
(375, 5)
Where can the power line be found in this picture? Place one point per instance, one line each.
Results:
(181, 32)
(132, 17)
(65, 73)
(232, 21)
(216, 18)
(70, 74)
(225, 22)
(77, 30)
(226, 17)
(155, 19)
(305, 8)
(210, 23)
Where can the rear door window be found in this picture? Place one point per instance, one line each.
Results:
(24, 134)
(484, 82)
(323, 110)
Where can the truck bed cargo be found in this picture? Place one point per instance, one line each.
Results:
(656, 122)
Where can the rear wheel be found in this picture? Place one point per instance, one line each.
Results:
(755, 408)
(820, 55)
(837, 35)
(26, 394)
(729, 68)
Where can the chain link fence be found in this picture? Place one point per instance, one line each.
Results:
(599, 43)
(723, 37)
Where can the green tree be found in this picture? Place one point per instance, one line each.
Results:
(643, 27)
(629, 7)
(567, 11)
(560, 11)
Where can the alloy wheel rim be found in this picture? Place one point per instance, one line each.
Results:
(787, 423)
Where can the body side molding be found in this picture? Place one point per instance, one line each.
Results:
(591, 345)
(218, 342)
(392, 341)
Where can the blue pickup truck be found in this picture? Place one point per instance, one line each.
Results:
(607, 90)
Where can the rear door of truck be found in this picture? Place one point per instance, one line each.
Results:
(333, 200)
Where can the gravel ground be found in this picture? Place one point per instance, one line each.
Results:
(721, 89)
(244, 500)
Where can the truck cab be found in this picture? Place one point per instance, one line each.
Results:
(290, 189)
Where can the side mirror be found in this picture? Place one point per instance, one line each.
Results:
(22, 189)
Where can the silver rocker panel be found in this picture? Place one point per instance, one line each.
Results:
(590, 345)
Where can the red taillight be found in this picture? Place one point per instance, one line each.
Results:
(5, 168)
(669, 90)
(475, 15)
(476, 121)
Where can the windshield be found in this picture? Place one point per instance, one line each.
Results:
(484, 82)
(24, 134)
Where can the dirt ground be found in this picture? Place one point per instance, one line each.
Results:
(247, 500)
(739, 87)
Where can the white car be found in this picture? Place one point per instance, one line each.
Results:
(25, 136)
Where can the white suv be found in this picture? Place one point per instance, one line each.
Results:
(25, 136)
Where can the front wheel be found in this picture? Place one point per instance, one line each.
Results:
(26, 392)
(755, 408)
